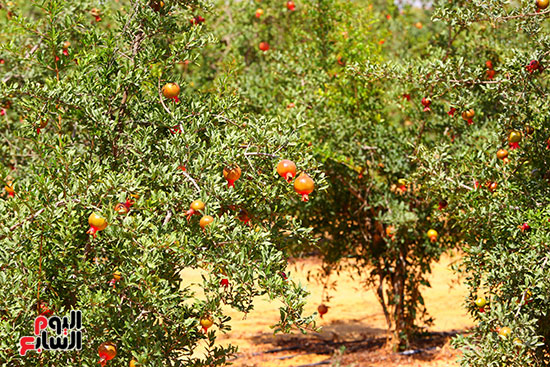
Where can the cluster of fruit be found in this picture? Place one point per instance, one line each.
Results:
(290, 5)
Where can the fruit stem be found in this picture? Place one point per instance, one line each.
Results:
(305, 198)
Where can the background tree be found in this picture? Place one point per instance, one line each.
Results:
(372, 212)
(485, 76)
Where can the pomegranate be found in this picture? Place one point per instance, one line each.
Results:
(206, 322)
(259, 13)
(390, 231)
(468, 116)
(290, 5)
(195, 207)
(96, 13)
(542, 4)
(264, 46)
(171, 90)
(243, 217)
(224, 282)
(502, 154)
(489, 64)
(304, 186)
(206, 221)
(44, 309)
(232, 174)
(196, 20)
(9, 189)
(97, 223)
(452, 112)
(432, 235)
(106, 351)
(514, 138)
(322, 309)
(286, 169)
(156, 5)
(426, 103)
(123, 208)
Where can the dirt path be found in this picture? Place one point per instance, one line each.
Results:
(354, 322)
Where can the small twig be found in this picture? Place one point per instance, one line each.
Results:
(258, 153)
(168, 217)
(192, 181)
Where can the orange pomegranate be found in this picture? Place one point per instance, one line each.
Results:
(390, 231)
(286, 169)
(502, 154)
(9, 189)
(206, 221)
(322, 309)
(468, 116)
(171, 90)
(195, 207)
(304, 186)
(206, 322)
(432, 235)
(259, 13)
(97, 223)
(106, 351)
(121, 209)
(231, 174)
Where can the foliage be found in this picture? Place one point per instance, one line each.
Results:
(85, 126)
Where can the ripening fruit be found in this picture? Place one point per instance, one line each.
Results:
(195, 207)
(264, 46)
(286, 169)
(492, 186)
(171, 90)
(304, 186)
(106, 351)
(468, 116)
(290, 5)
(206, 221)
(121, 209)
(505, 332)
(542, 4)
(514, 138)
(232, 174)
(322, 309)
(390, 231)
(133, 363)
(206, 322)
(117, 275)
(432, 235)
(502, 153)
(97, 223)
(156, 5)
(44, 309)
(528, 130)
(489, 64)
(259, 13)
(480, 302)
(9, 189)
(418, 25)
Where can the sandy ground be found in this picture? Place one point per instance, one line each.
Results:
(353, 331)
